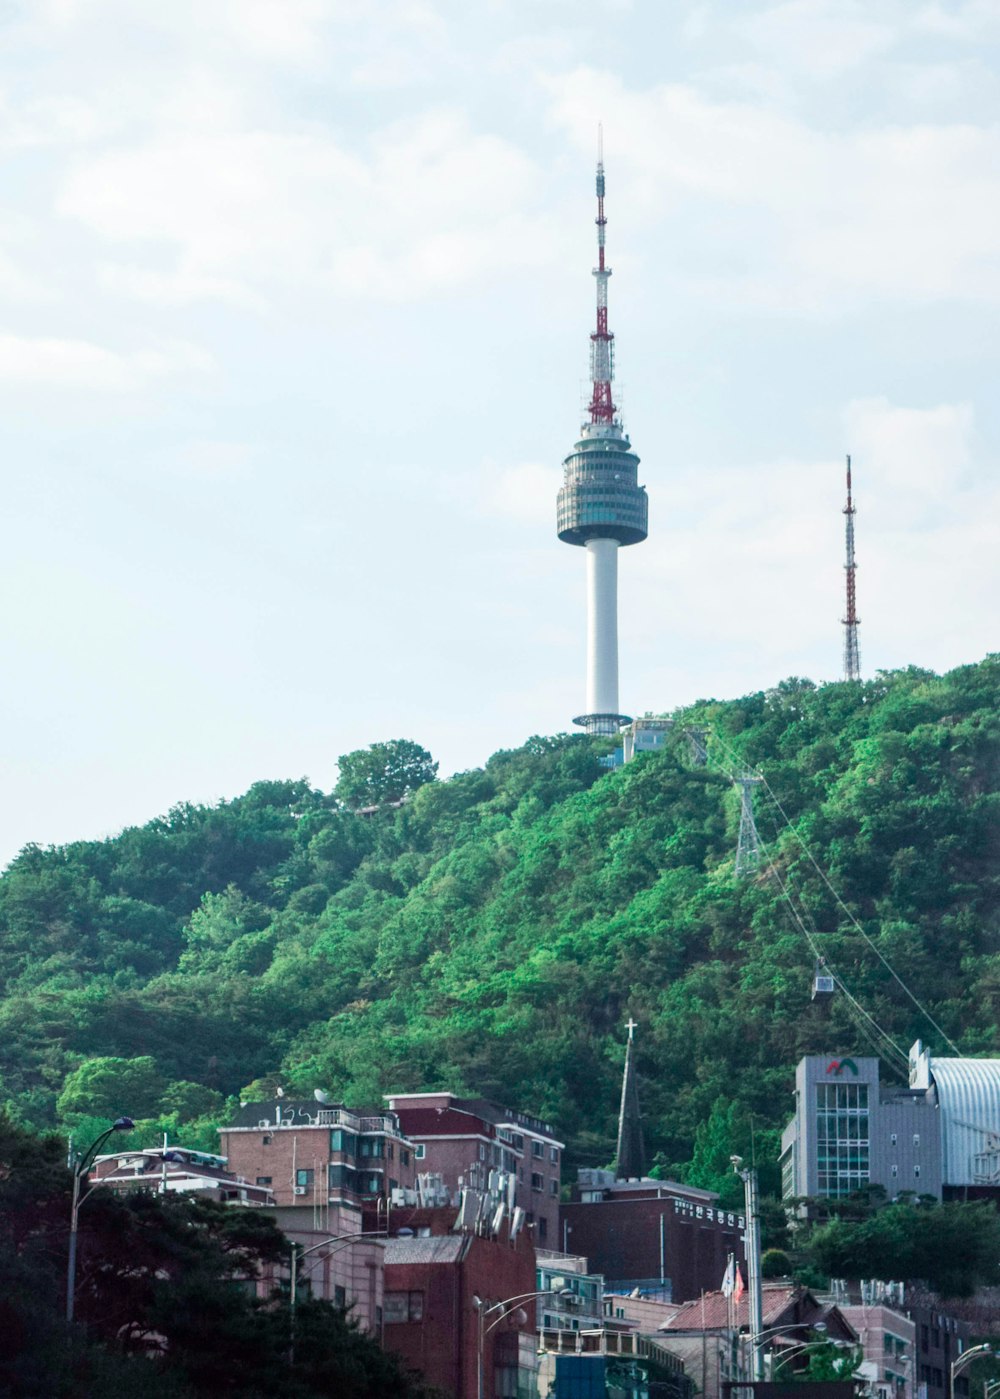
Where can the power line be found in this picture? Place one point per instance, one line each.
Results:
(843, 907)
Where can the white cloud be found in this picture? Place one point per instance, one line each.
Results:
(211, 460)
(82, 364)
(178, 288)
(762, 210)
(525, 492)
(819, 37)
(416, 212)
(918, 456)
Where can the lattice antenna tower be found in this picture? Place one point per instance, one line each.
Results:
(852, 661)
(748, 852)
(697, 737)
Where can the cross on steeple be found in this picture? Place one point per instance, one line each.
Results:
(630, 1156)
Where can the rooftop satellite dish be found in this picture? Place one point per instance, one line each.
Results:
(320, 1096)
(279, 1092)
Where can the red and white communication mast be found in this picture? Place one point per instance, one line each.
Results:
(602, 342)
(852, 662)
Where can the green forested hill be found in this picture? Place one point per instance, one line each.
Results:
(493, 934)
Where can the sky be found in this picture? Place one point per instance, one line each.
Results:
(295, 298)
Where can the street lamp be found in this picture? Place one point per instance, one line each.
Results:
(511, 1304)
(80, 1168)
(748, 1176)
(756, 1338)
(966, 1358)
(806, 1345)
(344, 1239)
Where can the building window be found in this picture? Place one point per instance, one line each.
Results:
(916, 1170)
(419, 1151)
(403, 1306)
(304, 1179)
(263, 1180)
(892, 1138)
(404, 1156)
(265, 1140)
(340, 1296)
(543, 1227)
(537, 1149)
(916, 1139)
(389, 1150)
(370, 1147)
(342, 1178)
(554, 1187)
(344, 1142)
(537, 1183)
(482, 1151)
(895, 1170)
(841, 1138)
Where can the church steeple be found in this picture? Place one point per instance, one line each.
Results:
(630, 1158)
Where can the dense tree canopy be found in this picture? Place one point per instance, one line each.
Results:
(494, 932)
(954, 1248)
(385, 772)
(165, 1298)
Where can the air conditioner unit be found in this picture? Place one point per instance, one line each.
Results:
(301, 1190)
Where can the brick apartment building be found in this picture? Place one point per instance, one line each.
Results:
(180, 1170)
(463, 1139)
(437, 1282)
(312, 1154)
(667, 1239)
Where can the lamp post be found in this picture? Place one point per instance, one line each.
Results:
(819, 1327)
(80, 1168)
(749, 1178)
(966, 1358)
(511, 1304)
(806, 1345)
(294, 1273)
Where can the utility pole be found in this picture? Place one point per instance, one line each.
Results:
(751, 1241)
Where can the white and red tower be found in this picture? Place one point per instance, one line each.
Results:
(852, 662)
(601, 506)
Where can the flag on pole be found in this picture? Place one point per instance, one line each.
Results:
(729, 1280)
(738, 1288)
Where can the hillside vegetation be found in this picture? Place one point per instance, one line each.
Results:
(493, 933)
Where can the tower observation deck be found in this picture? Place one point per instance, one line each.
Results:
(601, 505)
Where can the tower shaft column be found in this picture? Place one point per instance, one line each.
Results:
(602, 627)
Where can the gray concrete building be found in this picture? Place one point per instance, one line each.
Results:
(850, 1131)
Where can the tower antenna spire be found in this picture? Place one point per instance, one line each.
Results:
(602, 342)
(601, 505)
(852, 662)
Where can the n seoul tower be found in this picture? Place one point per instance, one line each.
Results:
(601, 506)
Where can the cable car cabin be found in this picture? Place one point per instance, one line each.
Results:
(823, 987)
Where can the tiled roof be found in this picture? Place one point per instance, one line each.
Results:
(711, 1312)
(442, 1248)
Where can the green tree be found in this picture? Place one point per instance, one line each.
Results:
(954, 1248)
(385, 772)
(112, 1087)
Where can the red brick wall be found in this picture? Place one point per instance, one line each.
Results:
(443, 1346)
(621, 1239)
